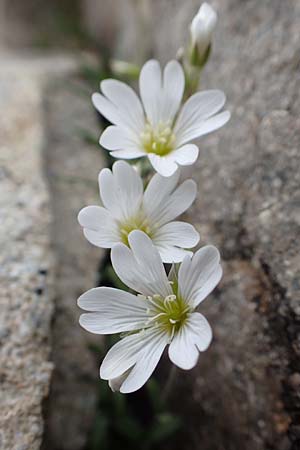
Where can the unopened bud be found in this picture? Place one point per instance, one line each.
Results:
(202, 28)
(124, 69)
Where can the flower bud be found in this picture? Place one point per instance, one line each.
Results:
(202, 28)
(124, 69)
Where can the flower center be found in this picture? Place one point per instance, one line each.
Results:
(169, 313)
(159, 140)
(134, 223)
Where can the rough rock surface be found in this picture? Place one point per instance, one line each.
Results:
(72, 168)
(245, 391)
(26, 261)
(249, 198)
(41, 107)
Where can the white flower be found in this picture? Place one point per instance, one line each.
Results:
(127, 207)
(202, 28)
(155, 128)
(164, 314)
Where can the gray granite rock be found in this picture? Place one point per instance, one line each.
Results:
(249, 198)
(45, 262)
(26, 263)
(72, 168)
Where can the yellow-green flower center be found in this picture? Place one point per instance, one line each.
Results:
(134, 223)
(169, 313)
(159, 140)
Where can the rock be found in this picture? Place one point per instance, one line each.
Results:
(248, 205)
(26, 262)
(72, 168)
(240, 395)
(44, 258)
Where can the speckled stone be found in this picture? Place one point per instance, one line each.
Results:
(47, 173)
(72, 166)
(26, 263)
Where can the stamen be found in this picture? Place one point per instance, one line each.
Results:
(155, 304)
(168, 313)
(172, 333)
(156, 317)
(169, 299)
(159, 140)
(137, 222)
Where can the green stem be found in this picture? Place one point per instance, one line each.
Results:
(170, 383)
(192, 79)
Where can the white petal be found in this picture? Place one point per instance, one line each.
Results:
(93, 217)
(128, 270)
(117, 138)
(182, 350)
(121, 190)
(125, 354)
(148, 257)
(158, 189)
(99, 227)
(106, 108)
(113, 311)
(193, 337)
(116, 383)
(205, 18)
(180, 234)
(151, 90)
(140, 268)
(202, 27)
(107, 190)
(171, 254)
(198, 108)
(209, 286)
(145, 366)
(129, 186)
(104, 238)
(128, 153)
(170, 206)
(209, 125)
(186, 155)
(167, 165)
(164, 165)
(199, 327)
(126, 101)
(173, 87)
(197, 275)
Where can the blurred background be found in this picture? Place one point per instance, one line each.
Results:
(245, 391)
